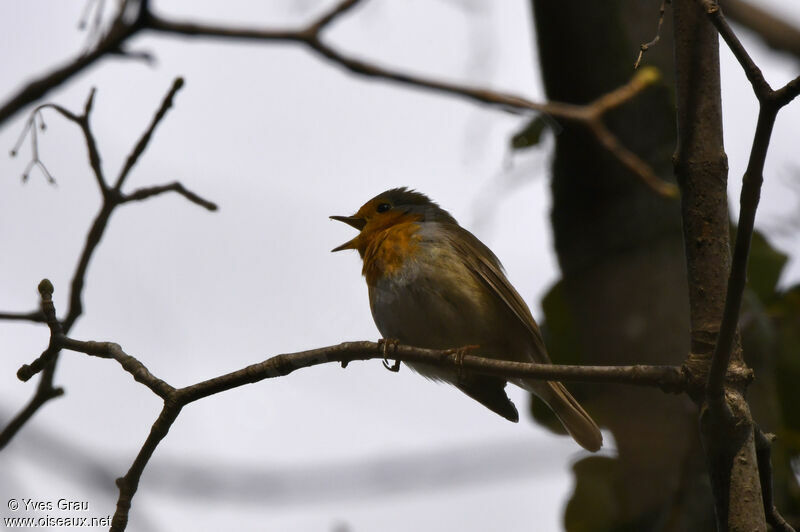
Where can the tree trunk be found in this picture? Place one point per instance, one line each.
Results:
(702, 169)
(621, 254)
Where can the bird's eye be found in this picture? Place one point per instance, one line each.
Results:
(383, 207)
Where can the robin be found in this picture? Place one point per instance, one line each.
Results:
(433, 284)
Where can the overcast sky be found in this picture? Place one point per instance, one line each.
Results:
(281, 140)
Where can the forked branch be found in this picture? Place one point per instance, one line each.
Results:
(770, 101)
(589, 116)
(112, 198)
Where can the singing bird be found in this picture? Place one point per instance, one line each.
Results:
(433, 284)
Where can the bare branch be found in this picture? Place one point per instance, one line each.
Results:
(771, 103)
(646, 46)
(46, 362)
(751, 70)
(327, 19)
(43, 394)
(145, 138)
(673, 379)
(729, 435)
(144, 193)
(588, 116)
(787, 93)
(49, 311)
(764, 458)
(136, 55)
(130, 364)
(310, 36)
(751, 193)
(36, 316)
(83, 122)
(774, 30)
(37, 88)
(36, 161)
(130, 482)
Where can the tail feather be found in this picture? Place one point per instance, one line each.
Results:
(578, 423)
(491, 393)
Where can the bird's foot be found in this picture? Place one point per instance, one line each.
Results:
(458, 355)
(389, 344)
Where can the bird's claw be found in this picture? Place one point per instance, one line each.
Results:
(458, 355)
(386, 343)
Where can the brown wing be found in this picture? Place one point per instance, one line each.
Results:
(486, 267)
(483, 263)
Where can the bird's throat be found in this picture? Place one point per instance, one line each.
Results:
(386, 251)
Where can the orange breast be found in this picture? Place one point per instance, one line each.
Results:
(388, 249)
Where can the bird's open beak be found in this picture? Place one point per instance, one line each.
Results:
(352, 221)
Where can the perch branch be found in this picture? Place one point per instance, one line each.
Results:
(669, 378)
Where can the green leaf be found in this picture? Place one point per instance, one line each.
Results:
(594, 505)
(530, 135)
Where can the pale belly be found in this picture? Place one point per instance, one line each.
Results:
(435, 302)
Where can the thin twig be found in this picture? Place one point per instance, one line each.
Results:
(43, 394)
(646, 46)
(632, 162)
(130, 364)
(771, 102)
(137, 55)
(39, 87)
(311, 37)
(764, 457)
(144, 193)
(787, 93)
(46, 362)
(129, 484)
(587, 116)
(45, 391)
(776, 31)
(750, 195)
(751, 70)
(36, 161)
(147, 135)
(327, 19)
(83, 122)
(36, 316)
(49, 312)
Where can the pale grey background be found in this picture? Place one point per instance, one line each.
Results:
(281, 140)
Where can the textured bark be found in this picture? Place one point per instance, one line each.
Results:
(621, 255)
(702, 170)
